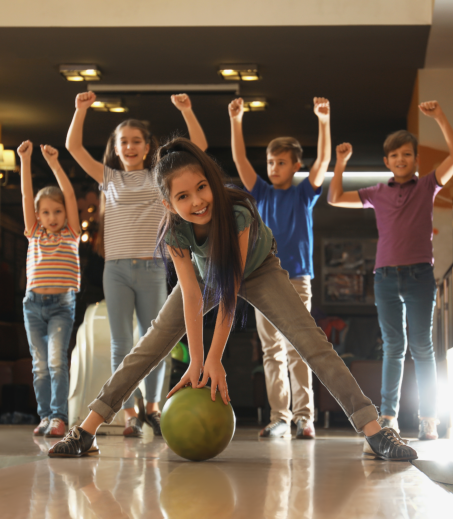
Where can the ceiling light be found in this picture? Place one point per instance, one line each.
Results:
(239, 72)
(80, 72)
(255, 104)
(85, 236)
(109, 104)
(1, 152)
(85, 224)
(8, 162)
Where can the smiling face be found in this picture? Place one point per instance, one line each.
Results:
(402, 162)
(131, 148)
(191, 197)
(51, 214)
(281, 169)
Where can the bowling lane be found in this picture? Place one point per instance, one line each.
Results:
(142, 478)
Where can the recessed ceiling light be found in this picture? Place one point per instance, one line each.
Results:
(239, 72)
(255, 104)
(80, 72)
(109, 104)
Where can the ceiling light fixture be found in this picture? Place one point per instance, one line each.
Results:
(255, 104)
(224, 88)
(8, 162)
(109, 104)
(239, 72)
(80, 72)
(1, 152)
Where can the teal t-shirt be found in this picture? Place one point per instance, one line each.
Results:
(186, 240)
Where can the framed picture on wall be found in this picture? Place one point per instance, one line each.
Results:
(347, 271)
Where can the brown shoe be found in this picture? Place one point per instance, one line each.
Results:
(305, 430)
(133, 428)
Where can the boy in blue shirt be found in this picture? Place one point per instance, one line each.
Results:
(287, 210)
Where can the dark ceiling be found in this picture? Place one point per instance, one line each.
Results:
(367, 73)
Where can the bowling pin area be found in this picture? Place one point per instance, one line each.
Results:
(280, 479)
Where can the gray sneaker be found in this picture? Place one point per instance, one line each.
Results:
(428, 429)
(278, 429)
(392, 423)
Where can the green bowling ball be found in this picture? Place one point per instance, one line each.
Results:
(195, 427)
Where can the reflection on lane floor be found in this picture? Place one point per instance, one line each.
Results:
(142, 478)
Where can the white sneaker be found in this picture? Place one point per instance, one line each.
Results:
(391, 423)
(278, 429)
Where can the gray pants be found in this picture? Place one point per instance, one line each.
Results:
(270, 291)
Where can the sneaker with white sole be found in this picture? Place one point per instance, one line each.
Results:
(56, 429)
(40, 429)
(427, 429)
(278, 429)
(75, 444)
(391, 423)
(388, 445)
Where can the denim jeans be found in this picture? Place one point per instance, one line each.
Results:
(141, 285)
(270, 291)
(407, 292)
(49, 319)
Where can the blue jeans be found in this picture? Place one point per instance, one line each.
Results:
(49, 319)
(407, 291)
(141, 285)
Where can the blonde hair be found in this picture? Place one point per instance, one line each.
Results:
(52, 192)
(290, 144)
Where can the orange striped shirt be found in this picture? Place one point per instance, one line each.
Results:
(53, 259)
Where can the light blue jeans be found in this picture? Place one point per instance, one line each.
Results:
(141, 285)
(48, 320)
(407, 292)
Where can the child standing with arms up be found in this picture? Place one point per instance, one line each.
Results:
(287, 210)
(404, 285)
(53, 277)
(233, 255)
(133, 278)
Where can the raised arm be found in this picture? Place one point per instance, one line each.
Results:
(196, 133)
(213, 367)
(74, 139)
(72, 211)
(336, 196)
(319, 168)
(432, 109)
(28, 205)
(193, 316)
(245, 169)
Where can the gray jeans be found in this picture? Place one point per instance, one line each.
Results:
(270, 291)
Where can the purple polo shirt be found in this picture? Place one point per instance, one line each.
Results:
(404, 218)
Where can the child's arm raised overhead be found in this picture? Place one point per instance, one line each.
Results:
(319, 168)
(245, 169)
(432, 109)
(336, 195)
(193, 316)
(74, 139)
(72, 211)
(196, 133)
(24, 151)
(213, 368)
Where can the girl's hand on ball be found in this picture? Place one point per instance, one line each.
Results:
(190, 378)
(214, 370)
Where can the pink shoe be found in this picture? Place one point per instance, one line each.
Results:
(428, 429)
(56, 429)
(305, 430)
(42, 427)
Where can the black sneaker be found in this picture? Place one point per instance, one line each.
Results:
(388, 445)
(75, 444)
(153, 420)
(133, 428)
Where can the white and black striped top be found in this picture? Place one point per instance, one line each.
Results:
(133, 211)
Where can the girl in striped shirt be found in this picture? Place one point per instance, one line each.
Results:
(53, 277)
(133, 279)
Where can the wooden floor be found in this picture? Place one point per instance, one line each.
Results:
(279, 479)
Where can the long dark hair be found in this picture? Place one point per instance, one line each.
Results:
(224, 264)
(112, 160)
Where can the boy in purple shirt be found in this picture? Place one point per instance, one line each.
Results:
(287, 210)
(404, 283)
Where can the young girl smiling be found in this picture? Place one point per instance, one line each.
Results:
(233, 254)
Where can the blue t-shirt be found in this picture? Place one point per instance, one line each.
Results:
(289, 214)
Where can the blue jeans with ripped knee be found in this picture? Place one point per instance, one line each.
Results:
(407, 292)
(48, 320)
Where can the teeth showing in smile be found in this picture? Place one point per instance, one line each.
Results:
(202, 211)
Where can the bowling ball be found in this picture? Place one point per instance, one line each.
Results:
(181, 352)
(195, 427)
